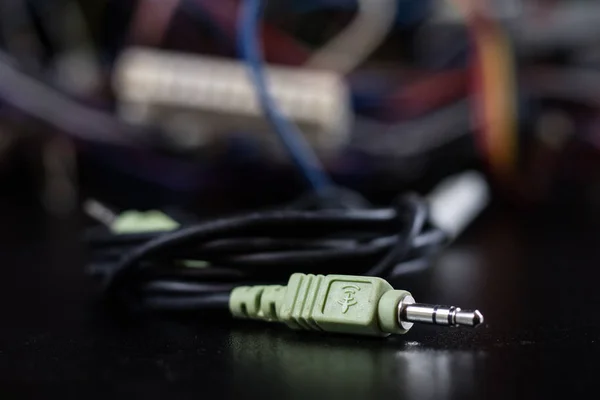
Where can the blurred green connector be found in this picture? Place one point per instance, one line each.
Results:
(140, 222)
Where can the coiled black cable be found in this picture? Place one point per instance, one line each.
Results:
(153, 270)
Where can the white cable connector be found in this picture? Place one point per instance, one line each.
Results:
(199, 97)
(457, 201)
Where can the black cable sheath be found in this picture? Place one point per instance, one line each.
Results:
(160, 270)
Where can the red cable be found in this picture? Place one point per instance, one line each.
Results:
(428, 93)
(278, 47)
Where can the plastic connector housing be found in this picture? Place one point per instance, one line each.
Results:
(334, 303)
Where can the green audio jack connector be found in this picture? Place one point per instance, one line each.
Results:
(343, 304)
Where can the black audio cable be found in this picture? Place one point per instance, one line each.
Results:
(212, 266)
(258, 247)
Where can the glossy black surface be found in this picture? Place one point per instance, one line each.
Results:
(535, 279)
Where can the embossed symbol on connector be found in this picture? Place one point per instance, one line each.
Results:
(348, 300)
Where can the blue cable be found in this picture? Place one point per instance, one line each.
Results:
(293, 140)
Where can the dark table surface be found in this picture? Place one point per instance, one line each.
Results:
(535, 279)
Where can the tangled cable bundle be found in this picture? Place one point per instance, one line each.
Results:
(196, 267)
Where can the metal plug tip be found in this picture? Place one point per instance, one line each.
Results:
(439, 315)
(469, 318)
(478, 320)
